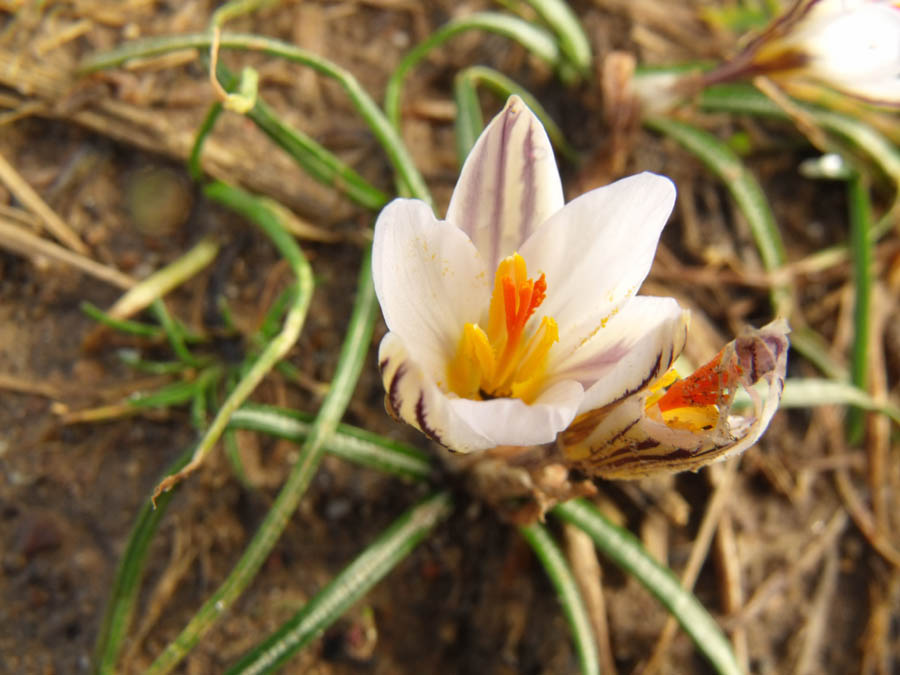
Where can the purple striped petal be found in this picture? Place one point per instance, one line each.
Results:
(508, 186)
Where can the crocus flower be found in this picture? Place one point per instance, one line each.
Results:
(518, 315)
(850, 45)
(518, 312)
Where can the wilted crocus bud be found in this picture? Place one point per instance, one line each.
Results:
(683, 424)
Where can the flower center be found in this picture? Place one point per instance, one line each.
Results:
(504, 360)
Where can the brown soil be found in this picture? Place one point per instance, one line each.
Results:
(816, 596)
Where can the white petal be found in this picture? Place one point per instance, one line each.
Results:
(511, 421)
(597, 251)
(509, 184)
(429, 279)
(638, 345)
(861, 44)
(469, 426)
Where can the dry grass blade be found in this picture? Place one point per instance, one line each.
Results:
(14, 238)
(699, 551)
(811, 637)
(589, 577)
(863, 517)
(157, 285)
(879, 426)
(732, 589)
(233, 160)
(32, 200)
(779, 579)
(877, 642)
(26, 386)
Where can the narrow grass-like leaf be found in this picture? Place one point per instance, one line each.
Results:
(233, 455)
(173, 333)
(354, 581)
(505, 87)
(253, 209)
(535, 39)
(469, 121)
(122, 325)
(349, 442)
(573, 43)
(206, 127)
(626, 551)
(350, 362)
(311, 156)
(563, 581)
(162, 281)
(127, 582)
(383, 130)
(230, 443)
(318, 162)
(812, 345)
(177, 393)
(199, 408)
(861, 255)
(744, 99)
(803, 392)
(743, 186)
(271, 322)
(132, 359)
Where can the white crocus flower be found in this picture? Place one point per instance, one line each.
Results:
(518, 312)
(851, 45)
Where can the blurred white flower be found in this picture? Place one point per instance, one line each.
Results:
(518, 312)
(851, 45)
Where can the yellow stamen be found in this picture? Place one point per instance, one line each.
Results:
(504, 361)
(697, 417)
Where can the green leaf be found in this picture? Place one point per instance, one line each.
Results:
(626, 551)
(349, 442)
(351, 584)
(803, 392)
(535, 39)
(350, 362)
(573, 42)
(383, 130)
(127, 581)
(563, 581)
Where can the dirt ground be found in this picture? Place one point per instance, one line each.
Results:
(794, 579)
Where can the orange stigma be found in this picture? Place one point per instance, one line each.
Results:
(501, 361)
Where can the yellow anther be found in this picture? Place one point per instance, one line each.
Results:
(658, 387)
(692, 419)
